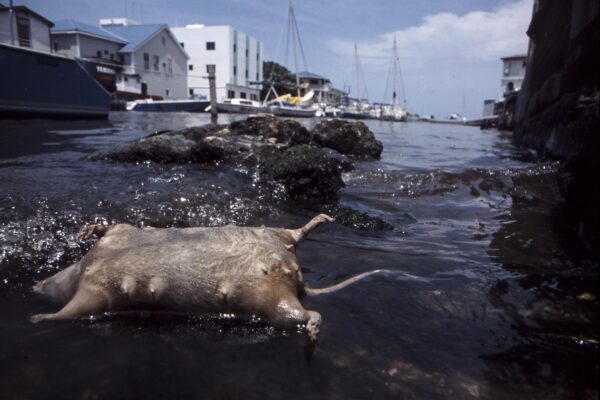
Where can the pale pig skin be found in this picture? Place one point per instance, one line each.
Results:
(241, 270)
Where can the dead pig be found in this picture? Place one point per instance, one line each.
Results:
(249, 271)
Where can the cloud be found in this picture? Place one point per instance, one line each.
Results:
(445, 37)
(446, 53)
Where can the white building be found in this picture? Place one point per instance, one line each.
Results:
(513, 73)
(24, 28)
(154, 64)
(237, 58)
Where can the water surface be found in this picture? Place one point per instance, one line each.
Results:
(490, 292)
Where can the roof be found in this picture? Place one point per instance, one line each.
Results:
(514, 57)
(136, 35)
(28, 11)
(72, 26)
(306, 74)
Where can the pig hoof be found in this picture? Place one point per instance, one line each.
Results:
(324, 218)
(89, 230)
(312, 325)
(39, 317)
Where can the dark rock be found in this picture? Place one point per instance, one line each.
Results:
(269, 127)
(162, 148)
(279, 147)
(306, 172)
(350, 138)
(351, 218)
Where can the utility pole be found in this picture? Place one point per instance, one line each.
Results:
(214, 116)
(10, 21)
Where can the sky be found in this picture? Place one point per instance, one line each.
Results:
(449, 50)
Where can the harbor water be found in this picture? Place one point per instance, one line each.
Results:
(488, 289)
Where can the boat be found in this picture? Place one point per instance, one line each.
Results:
(36, 84)
(293, 106)
(358, 108)
(453, 119)
(394, 112)
(288, 105)
(150, 105)
(240, 106)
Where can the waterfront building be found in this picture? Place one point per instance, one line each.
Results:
(154, 64)
(236, 57)
(324, 91)
(513, 72)
(25, 28)
(131, 60)
(96, 48)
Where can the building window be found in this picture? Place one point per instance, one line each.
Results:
(170, 65)
(235, 48)
(234, 70)
(125, 79)
(167, 92)
(156, 63)
(105, 52)
(209, 66)
(247, 74)
(56, 47)
(147, 61)
(163, 40)
(243, 95)
(24, 30)
(246, 53)
(99, 54)
(191, 91)
(190, 67)
(121, 58)
(257, 78)
(230, 94)
(182, 44)
(210, 45)
(112, 56)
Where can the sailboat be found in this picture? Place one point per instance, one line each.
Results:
(357, 108)
(395, 113)
(288, 105)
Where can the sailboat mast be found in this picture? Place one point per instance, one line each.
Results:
(358, 94)
(294, 31)
(394, 75)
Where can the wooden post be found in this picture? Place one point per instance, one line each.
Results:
(213, 94)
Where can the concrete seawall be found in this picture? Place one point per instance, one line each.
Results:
(557, 110)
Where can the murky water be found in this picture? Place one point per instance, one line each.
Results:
(490, 291)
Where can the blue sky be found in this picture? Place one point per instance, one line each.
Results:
(449, 49)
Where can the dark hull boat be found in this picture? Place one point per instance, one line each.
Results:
(34, 84)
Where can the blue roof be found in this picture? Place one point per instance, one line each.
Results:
(69, 25)
(306, 74)
(136, 35)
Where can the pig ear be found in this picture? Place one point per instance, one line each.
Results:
(301, 233)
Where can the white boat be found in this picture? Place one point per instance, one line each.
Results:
(288, 105)
(167, 105)
(394, 112)
(291, 106)
(240, 106)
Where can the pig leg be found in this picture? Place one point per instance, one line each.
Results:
(84, 302)
(301, 233)
(89, 230)
(289, 312)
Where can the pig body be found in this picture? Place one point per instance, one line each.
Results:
(243, 270)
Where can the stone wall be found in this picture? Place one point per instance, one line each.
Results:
(557, 111)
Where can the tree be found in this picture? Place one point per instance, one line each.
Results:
(279, 76)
